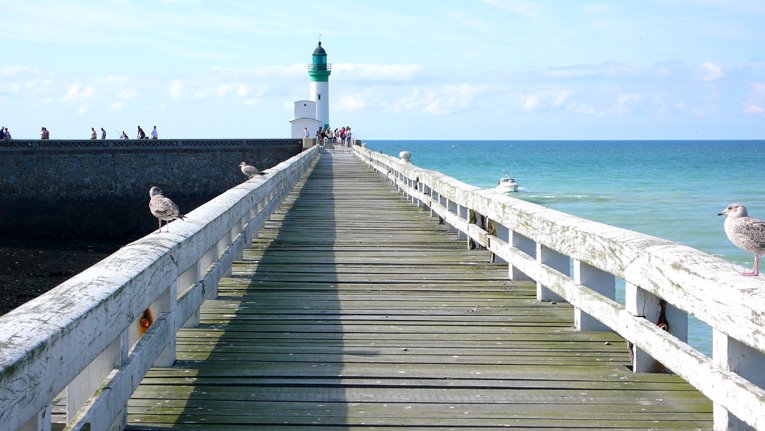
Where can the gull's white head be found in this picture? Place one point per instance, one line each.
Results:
(155, 191)
(734, 210)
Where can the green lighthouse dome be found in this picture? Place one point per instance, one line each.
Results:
(319, 50)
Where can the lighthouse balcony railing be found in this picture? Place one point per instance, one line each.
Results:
(93, 338)
(319, 67)
(579, 261)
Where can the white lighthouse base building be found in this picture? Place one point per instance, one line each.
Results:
(305, 118)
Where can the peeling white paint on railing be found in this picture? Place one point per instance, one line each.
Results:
(84, 336)
(661, 278)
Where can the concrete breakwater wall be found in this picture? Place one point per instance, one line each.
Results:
(99, 188)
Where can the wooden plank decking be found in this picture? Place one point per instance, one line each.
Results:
(356, 310)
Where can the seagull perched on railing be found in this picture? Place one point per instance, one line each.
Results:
(745, 232)
(249, 170)
(163, 208)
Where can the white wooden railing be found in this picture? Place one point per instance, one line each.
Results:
(578, 261)
(89, 336)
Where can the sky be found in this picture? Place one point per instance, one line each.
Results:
(401, 69)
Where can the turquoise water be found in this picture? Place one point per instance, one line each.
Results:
(670, 189)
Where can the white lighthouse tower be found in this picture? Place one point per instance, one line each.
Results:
(319, 70)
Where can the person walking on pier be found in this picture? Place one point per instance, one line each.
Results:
(103, 133)
(154, 133)
(141, 133)
(93, 133)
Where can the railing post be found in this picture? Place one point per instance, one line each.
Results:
(428, 194)
(557, 261)
(640, 302)
(451, 207)
(167, 303)
(599, 281)
(526, 245)
(462, 213)
(733, 355)
(502, 233)
(88, 381)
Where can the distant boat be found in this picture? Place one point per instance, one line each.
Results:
(507, 184)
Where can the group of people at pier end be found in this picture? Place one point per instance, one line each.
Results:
(342, 136)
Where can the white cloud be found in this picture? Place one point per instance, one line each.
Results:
(439, 100)
(546, 100)
(242, 90)
(351, 103)
(116, 106)
(222, 90)
(756, 100)
(78, 92)
(518, 7)
(611, 70)
(624, 102)
(758, 89)
(127, 93)
(11, 71)
(598, 8)
(711, 71)
(176, 89)
(377, 72)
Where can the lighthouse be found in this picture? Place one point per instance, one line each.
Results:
(319, 70)
(313, 114)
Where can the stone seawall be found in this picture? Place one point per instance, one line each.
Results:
(99, 188)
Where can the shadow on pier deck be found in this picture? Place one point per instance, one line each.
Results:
(356, 310)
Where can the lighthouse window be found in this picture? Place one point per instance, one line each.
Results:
(318, 97)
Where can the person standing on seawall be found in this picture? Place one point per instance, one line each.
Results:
(103, 133)
(93, 133)
(154, 134)
(44, 133)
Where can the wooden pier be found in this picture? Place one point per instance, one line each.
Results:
(358, 310)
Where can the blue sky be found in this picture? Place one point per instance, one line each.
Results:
(402, 69)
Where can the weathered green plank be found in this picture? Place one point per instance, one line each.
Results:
(356, 310)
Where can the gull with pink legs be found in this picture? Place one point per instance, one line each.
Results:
(163, 208)
(746, 233)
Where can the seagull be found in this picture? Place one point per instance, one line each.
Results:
(746, 233)
(250, 171)
(163, 208)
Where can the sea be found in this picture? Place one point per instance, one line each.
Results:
(670, 189)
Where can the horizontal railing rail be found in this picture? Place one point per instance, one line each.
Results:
(96, 335)
(578, 260)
